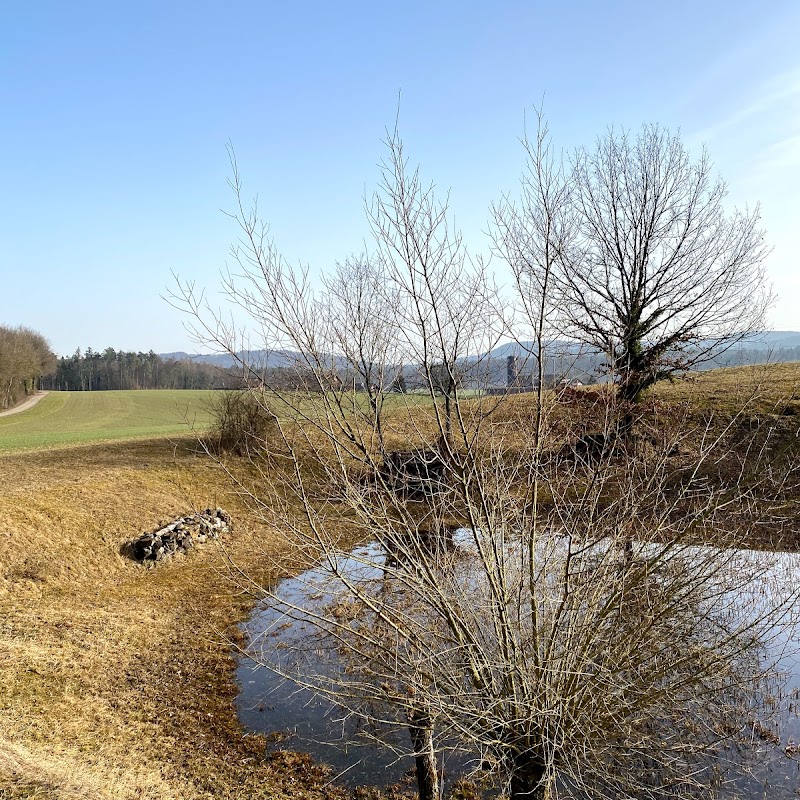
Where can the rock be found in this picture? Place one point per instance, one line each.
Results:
(179, 536)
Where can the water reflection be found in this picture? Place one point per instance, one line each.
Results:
(272, 705)
(297, 719)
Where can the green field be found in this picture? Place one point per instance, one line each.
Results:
(67, 418)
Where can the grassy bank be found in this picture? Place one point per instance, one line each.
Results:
(117, 681)
(70, 418)
(761, 388)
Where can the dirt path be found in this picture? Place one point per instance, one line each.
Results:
(29, 403)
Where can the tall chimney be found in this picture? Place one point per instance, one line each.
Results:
(512, 371)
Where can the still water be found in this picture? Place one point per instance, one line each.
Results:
(296, 719)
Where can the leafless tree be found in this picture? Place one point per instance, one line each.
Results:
(416, 300)
(662, 275)
(25, 356)
(532, 237)
(497, 613)
(645, 263)
(447, 313)
(357, 302)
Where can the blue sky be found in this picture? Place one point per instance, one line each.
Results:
(115, 118)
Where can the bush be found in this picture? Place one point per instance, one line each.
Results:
(243, 424)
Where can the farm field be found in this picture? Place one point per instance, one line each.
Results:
(72, 418)
(762, 388)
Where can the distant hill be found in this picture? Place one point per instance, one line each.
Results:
(574, 360)
(777, 339)
(564, 358)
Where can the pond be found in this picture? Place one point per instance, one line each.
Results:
(296, 719)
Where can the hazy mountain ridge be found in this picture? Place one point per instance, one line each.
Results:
(256, 358)
(568, 359)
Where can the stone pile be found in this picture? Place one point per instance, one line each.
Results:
(181, 535)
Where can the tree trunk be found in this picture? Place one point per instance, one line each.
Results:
(422, 740)
(528, 781)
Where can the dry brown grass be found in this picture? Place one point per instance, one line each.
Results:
(765, 388)
(761, 388)
(116, 679)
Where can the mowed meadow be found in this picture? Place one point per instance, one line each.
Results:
(72, 418)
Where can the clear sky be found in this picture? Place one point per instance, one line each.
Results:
(115, 117)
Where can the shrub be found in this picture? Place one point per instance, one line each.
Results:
(243, 424)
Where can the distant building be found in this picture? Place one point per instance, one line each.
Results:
(516, 382)
(512, 371)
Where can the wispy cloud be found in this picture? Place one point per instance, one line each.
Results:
(775, 100)
(755, 140)
(781, 155)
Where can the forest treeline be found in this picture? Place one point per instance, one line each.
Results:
(25, 356)
(117, 369)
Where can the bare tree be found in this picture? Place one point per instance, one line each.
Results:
(662, 276)
(497, 614)
(446, 309)
(533, 238)
(25, 356)
(645, 264)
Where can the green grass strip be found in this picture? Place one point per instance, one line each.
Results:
(69, 418)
